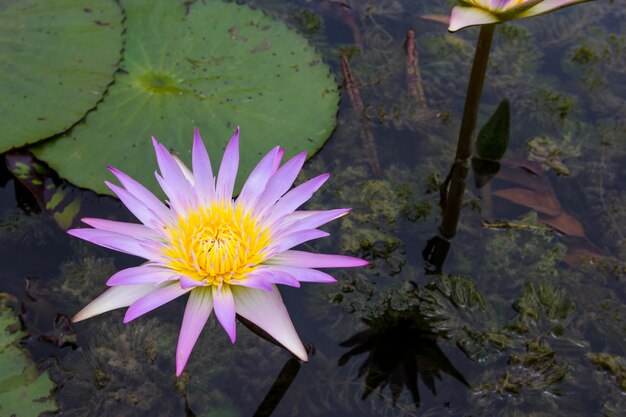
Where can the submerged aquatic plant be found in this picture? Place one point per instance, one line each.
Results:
(227, 254)
(482, 12)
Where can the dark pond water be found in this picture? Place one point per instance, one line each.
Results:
(522, 314)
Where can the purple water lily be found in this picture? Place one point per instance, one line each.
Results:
(227, 254)
(482, 12)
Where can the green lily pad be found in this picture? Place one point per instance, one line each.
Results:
(24, 392)
(57, 58)
(211, 65)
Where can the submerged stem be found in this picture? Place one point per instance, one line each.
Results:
(460, 168)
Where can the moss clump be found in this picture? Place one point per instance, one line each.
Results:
(308, 22)
(522, 254)
(583, 55)
(542, 305)
(535, 369)
(614, 365)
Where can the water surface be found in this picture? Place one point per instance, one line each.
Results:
(523, 316)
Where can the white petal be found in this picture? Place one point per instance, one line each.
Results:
(548, 6)
(267, 310)
(463, 16)
(115, 297)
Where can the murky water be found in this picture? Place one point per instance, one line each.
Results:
(522, 315)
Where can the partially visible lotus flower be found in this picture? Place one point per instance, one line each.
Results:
(482, 12)
(227, 254)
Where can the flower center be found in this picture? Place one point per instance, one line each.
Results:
(216, 244)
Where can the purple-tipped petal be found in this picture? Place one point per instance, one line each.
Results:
(279, 158)
(170, 169)
(277, 277)
(256, 182)
(464, 16)
(178, 189)
(548, 6)
(224, 305)
(180, 205)
(140, 275)
(304, 274)
(185, 170)
(113, 298)
(254, 280)
(123, 228)
(153, 300)
(282, 278)
(302, 220)
(267, 310)
(139, 208)
(116, 241)
(196, 315)
(301, 259)
(300, 215)
(202, 171)
(290, 240)
(141, 194)
(228, 169)
(295, 198)
(186, 282)
(280, 182)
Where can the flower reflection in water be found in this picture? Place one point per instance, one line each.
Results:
(401, 347)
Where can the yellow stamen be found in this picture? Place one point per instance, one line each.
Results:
(216, 244)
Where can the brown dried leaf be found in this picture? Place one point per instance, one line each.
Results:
(532, 167)
(521, 176)
(541, 202)
(565, 224)
(577, 253)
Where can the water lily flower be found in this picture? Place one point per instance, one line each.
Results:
(482, 12)
(227, 254)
